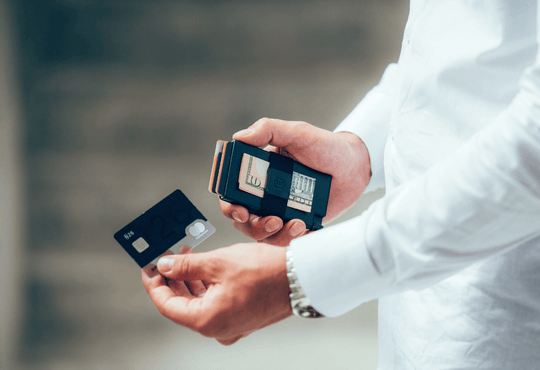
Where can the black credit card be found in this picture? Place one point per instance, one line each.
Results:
(170, 224)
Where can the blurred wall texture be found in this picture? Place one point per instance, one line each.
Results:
(121, 103)
(11, 192)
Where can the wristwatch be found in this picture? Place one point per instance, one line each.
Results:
(300, 304)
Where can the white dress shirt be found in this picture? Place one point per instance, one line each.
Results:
(452, 250)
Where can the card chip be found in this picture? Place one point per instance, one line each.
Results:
(140, 245)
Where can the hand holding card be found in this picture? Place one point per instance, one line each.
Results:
(246, 289)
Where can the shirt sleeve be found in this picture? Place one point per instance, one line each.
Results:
(481, 201)
(370, 120)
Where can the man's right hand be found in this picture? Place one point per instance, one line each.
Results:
(342, 155)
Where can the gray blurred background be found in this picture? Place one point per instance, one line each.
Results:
(108, 106)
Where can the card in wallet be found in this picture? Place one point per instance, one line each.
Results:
(170, 224)
(267, 183)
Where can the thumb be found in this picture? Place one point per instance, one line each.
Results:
(269, 131)
(185, 267)
(315, 147)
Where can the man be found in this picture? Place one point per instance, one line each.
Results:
(452, 250)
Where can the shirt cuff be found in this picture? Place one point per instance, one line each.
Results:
(335, 269)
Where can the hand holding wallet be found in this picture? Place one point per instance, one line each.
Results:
(268, 183)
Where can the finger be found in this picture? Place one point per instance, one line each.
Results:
(260, 228)
(271, 131)
(182, 309)
(197, 288)
(149, 272)
(179, 288)
(301, 141)
(189, 267)
(234, 212)
(271, 148)
(231, 340)
(159, 288)
(292, 229)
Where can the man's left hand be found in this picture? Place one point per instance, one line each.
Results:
(246, 289)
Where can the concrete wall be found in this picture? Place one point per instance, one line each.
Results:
(123, 103)
(10, 197)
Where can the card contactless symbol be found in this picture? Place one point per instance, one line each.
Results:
(169, 224)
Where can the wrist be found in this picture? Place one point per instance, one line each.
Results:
(271, 277)
(359, 151)
(300, 303)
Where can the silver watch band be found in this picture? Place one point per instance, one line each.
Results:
(300, 304)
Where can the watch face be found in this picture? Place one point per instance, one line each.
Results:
(308, 312)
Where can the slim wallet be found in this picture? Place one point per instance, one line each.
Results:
(268, 183)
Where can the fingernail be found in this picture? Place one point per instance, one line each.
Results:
(296, 229)
(165, 264)
(236, 216)
(245, 132)
(271, 226)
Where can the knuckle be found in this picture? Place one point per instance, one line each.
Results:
(225, 207)
(245, 229)
(207, 326)
(261, 237)
(283, 242)
(263, 122)
(182, 265)
(228, 341)
(213, 267)
(301, 126)
(163, 312)
(257, 234)
(201, 326)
